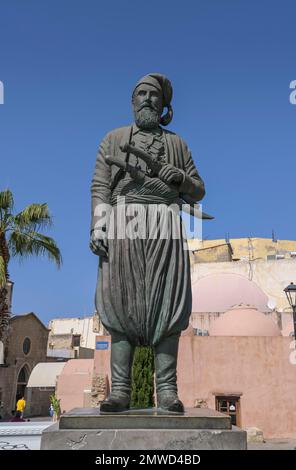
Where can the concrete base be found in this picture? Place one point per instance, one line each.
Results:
(150, 418)
(197, 429)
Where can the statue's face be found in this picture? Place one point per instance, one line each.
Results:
(147, 104)
(147, 96)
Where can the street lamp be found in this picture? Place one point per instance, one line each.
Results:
(291, 296)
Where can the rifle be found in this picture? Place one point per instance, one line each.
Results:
(140, 177)
(156, 166)
(150, 161)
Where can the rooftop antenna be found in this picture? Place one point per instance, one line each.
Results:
(250, 248)
(274, 239)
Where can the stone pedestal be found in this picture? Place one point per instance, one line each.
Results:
(196, 429)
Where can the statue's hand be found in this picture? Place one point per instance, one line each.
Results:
(99, 242)
(170, 174)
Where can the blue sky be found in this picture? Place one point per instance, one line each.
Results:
(68, 69)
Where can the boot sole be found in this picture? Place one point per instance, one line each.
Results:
(106, 408)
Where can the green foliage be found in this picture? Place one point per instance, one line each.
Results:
(33, 243)
(55, 404)
(19, 233)
(34, 217)
(20, 237)
(143, 378)
(6, 200)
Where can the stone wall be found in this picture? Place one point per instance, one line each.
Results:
(21, 327)
(219, 253)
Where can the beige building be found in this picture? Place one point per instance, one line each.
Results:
(73, 337)
(241, 249)
(252, 271)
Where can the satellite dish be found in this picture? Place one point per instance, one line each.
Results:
(271, 303)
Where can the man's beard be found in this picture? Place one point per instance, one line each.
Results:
(147, 118)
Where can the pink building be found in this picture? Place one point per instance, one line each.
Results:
(74, 380)
(243, 365)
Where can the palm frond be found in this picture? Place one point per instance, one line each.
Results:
(6, 221)
(3, 279)
(33, 217)
(6, 200)
(26, 244)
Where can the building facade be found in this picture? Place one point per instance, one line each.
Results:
(73, 338)
(238, 355)
(26, 347)
(256, 274)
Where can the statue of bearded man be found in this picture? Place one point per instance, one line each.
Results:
(143, 293)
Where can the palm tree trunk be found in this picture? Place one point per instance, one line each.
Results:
(5, 253)
(4, 315)
(4, 308)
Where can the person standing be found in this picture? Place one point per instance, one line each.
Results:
(20, 406)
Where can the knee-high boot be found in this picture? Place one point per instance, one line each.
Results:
(122, 352)
(166, 354)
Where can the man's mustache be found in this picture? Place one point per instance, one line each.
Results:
(147, 105)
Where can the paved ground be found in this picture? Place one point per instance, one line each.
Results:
(22, 436)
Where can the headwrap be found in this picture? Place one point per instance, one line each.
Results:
(163, 84)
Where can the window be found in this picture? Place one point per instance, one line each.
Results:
(231, 406)
(22, 383)
(75, 341)
(26, 345)
(22, 378)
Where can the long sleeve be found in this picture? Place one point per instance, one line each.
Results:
(193, 185)
(100, 187)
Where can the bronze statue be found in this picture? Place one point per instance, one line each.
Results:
(143, 293)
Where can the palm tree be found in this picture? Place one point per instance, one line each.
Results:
(20, 237)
